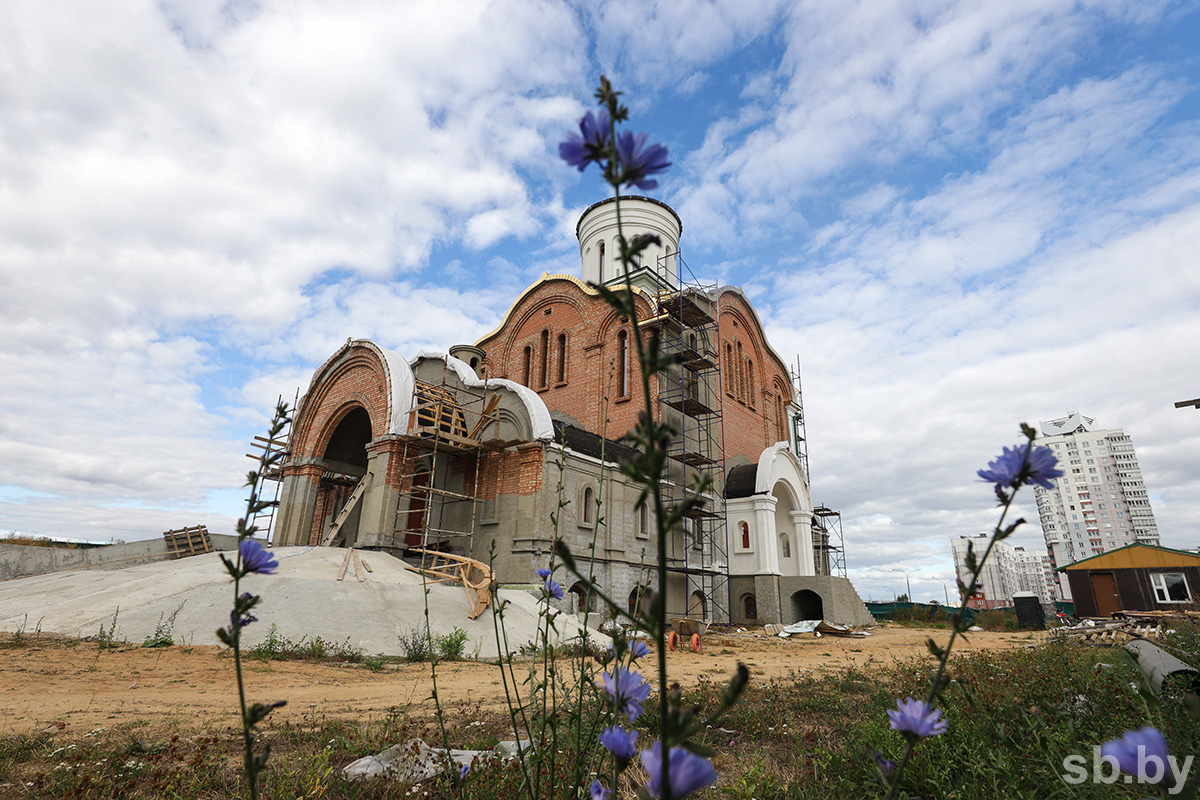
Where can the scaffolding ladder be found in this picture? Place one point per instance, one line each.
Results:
(441, 466)
(692, 389)
(264, 519)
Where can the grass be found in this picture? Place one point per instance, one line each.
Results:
(1014, 715)
(277, 647)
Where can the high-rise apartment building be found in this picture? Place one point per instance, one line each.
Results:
(1008, 570)
(1100, 503)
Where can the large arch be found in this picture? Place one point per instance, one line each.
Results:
(779, 475)
(807, 604)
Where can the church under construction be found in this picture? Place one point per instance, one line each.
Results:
(493, 450)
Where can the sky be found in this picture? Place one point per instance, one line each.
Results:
(956, 216)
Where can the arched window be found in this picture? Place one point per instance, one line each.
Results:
(742, 378)
(750, 606)
(750, 380)
(730, 370)
(635, 600)
(589, 506)
(562, 358)
(602, 262)
(527, 370)
(783, 434)
(543, 365)
(785, 546)
(744, 529)
(623, 364)
(582, 597)
(643, 520)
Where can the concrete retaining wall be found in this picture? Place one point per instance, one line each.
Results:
(19, 561)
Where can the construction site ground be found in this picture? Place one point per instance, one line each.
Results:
(74, 686)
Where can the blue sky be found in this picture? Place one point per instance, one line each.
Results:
(958, 216)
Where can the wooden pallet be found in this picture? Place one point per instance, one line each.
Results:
(188, 542)
(476, 577)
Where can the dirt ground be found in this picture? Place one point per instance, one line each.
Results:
(75, 687)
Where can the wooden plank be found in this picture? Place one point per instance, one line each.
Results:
(358, 570)
(345, 563)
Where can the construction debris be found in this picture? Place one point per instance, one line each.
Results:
(475, 576)
(1108, 632)
(819, 628)
(415, 761)
(188, 542)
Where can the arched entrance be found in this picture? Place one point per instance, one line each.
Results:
(345, 458)
(697, 606)
(582, 601)
(807, 604)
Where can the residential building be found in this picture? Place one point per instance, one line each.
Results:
(1100, 503)
(1007, 571)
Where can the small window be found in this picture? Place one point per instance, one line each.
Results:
(744, 529)
(750, 380)
(643, 527)
(623, 364)
(527, 369)
(602, 262)
(785, 546)
(587, 514)
(1170, 587)
(562, 358)
(750, 606)
(635, 601)
(730, 376)
(543, 363)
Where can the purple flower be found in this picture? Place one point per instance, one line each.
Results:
(256, 559)
(637, 649)
(462, 773)
(639, 161)
(598, 791)
(885, 765)
(237, 620)
(1135, 750)
(628, 690)
(687, 771)
(1010, 468)
(917, 718)
(553, 589)
(543, 573)
(619, 742)
(590, 144)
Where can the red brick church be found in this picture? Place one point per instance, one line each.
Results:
(497, 448)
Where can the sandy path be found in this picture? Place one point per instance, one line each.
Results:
(78, 688)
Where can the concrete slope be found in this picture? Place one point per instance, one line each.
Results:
(303, 599)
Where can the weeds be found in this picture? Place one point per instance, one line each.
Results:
(415, 644)
(162, 631)
(277, 647)
(107, 639)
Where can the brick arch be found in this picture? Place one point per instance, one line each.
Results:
(555, 293)
(356, 381)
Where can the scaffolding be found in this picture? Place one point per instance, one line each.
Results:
(691, 389)
(441, 466)
(271, 480)
(829, 548)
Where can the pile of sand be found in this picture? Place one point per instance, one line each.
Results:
(302, 599)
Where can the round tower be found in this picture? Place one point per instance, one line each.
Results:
(600, 252)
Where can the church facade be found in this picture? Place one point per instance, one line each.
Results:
(498, 448)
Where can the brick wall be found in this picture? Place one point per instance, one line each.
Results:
(560, 306)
